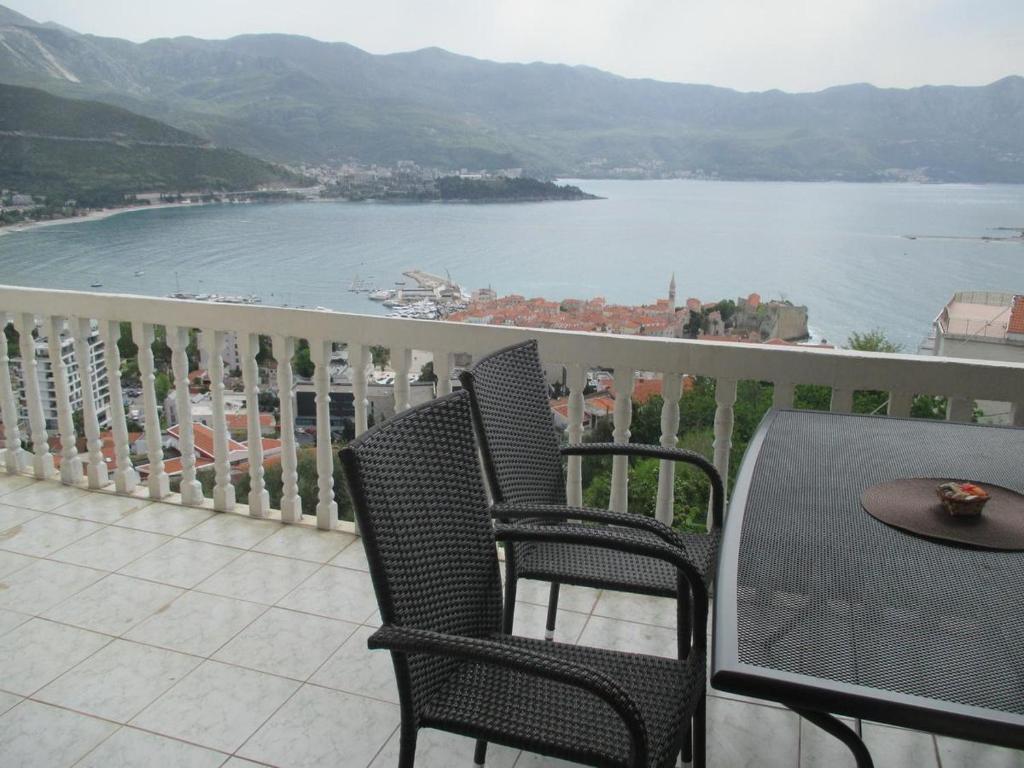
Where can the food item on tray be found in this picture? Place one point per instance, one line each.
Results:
(962, 499)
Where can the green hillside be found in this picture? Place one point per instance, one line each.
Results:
(95, 153)
(290, 99)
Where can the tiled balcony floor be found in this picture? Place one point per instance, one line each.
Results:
(138, 634)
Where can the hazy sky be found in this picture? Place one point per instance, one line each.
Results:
(794, 45)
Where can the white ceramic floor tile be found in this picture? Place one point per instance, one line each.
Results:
(9, 620)
(896, 747)
(43, 584)
(626, 636)
(8, 700)
(354, 668)
(45, 534)
(114, 605)
(286, 643)
(218, 706)
(12, 561)
(10, 483)
(12, 516)
(533, 760)
(131, 748)
(438, 749)
(118, 681)
(352, 556)
(531, 621)
(749, 735)
(34, 735)
(258, 577)
(101, 507)
(233, 530)
(44, 496)
(955, 753)
(196, 623)
(239, 762)
(169, 519)
(305, 543)
(38, 651)
(820, 750)
(642, 609)
(181, 562)
(570, 597)
(109, 548)
(304, 732)
(339, 593)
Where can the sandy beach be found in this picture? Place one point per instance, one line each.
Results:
(104, 213)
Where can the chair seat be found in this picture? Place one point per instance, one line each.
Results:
(609, 569)
(510, 707)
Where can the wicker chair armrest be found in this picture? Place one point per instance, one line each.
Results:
(486, 651)
(557, 513)
(619, 539)
(658, 452)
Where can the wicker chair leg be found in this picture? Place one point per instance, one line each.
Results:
(549, 631)
(700, 734)
(508, 611)
(407, 746)
(480, 753)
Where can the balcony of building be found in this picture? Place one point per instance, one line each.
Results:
(141, 627)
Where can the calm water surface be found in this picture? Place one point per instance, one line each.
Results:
(838, 248)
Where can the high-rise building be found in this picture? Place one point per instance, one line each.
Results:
(47, 385)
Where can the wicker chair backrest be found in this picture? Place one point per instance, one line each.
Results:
(516, 426)
(419, 499)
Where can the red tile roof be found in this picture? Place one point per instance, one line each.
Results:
(1016, 324)
(202, 437)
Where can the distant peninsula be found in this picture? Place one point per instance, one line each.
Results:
(457, 189)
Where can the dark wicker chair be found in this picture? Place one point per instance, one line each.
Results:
(419, 499)
(523, 462)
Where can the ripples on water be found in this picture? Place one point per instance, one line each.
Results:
(838, 248)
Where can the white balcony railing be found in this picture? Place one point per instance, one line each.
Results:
(72, 313)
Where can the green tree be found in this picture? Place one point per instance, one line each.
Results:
(162, 382)
(308, 486)
(381, 355)
(301, 362)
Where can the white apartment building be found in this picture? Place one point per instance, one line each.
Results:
(100, 385)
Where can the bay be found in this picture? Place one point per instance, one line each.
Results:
(840, 249)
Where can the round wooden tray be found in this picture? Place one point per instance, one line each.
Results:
(912, 505)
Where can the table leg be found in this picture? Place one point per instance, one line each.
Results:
(841, 731)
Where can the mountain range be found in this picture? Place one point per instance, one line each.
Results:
(297, 100)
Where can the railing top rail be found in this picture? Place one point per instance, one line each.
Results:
(832, 367)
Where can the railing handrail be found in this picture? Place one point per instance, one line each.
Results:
(846, 369)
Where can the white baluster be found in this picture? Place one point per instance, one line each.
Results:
(42, 460)
(900, 403)
(223, 490)
(125, 477)
(671, 391)
(158, 483)
(782, 394)
(403, 362)
(725, 398)
(621, 418)
(320, 353)
(576, 380)
(70, 463)
(443, 372)
(14, 456)
(358, 359)
(259, 497)
(191, 490)
(96, 467)
(842, 400)
(291, 504)
(959, 409)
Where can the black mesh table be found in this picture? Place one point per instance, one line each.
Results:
(829, 611)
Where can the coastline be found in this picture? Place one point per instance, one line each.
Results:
(95, 215)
